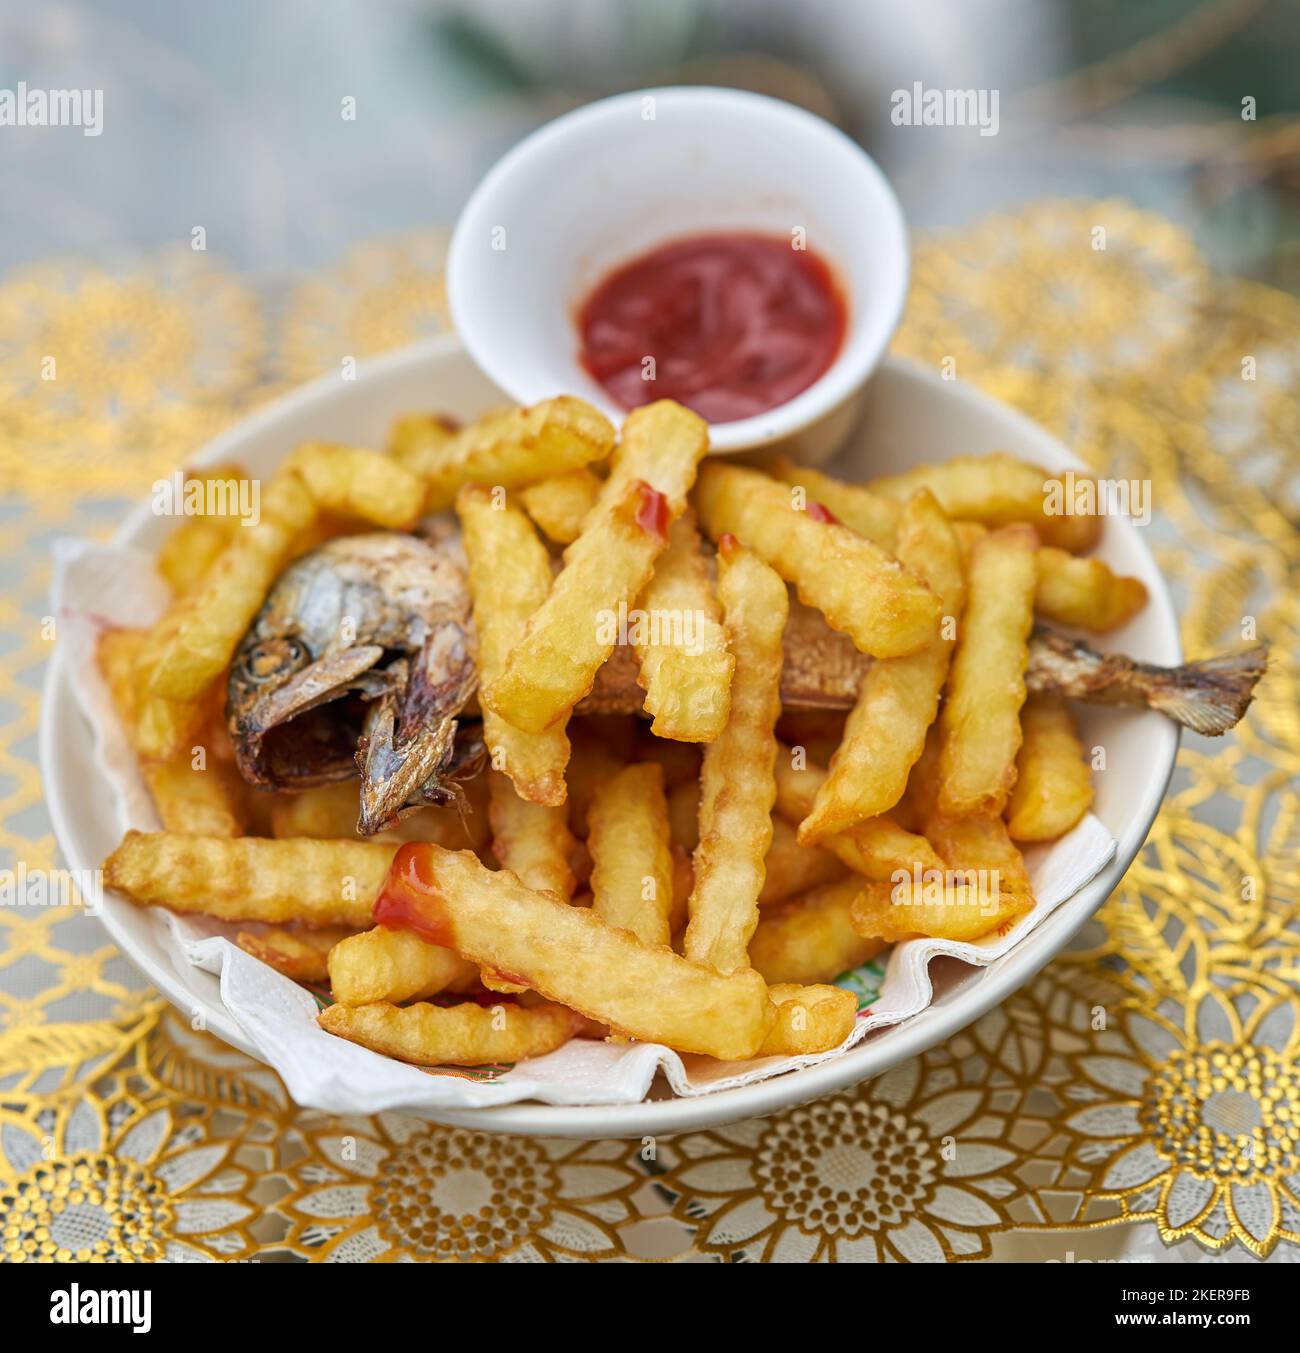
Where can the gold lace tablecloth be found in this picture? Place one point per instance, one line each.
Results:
(1142, 1092)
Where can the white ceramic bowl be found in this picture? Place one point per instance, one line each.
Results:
(607, 182)
(912, 416)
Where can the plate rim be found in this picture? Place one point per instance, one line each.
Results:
(676, 1114)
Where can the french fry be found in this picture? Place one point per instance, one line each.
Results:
(685, 664)
(683, 882)
(189, 551)
(517, 447)
(197, 794)
(885, 733)
(330, 812)
(808, 1019)
(509, 579)
(453, 1035)
(876, 848)
(560, 505)
(982, 889)
(810, 938)
(415, 440)
(532, 840)
(1085, 593)
(980, 723)
(187, 652)
(202, 801)
(160, 730)
(857, 586)
(356, 482)
(251, 879)
(738, 785)
(394, 965)
(997, 490)
(575, 629)
(631, 859)
(860, 510)
(661, 445)
(571, 956)
(298, 954)
(790, 869)
(1053, 780)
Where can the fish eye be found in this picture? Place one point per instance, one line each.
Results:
(274, 657)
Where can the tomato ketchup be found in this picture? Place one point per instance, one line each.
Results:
(735, 324)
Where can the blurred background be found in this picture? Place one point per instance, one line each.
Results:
(229, 116)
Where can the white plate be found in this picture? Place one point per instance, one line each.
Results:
(912, 416)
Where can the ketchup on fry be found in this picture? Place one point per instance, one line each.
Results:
(735, 324)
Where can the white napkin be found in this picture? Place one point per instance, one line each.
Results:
(98, 585)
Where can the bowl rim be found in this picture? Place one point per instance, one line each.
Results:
(676, 1114)
(869, 332)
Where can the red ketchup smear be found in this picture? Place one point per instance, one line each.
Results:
(652, 510)
(820, 512)
(736, 324)
(727, 544)
(410, 898)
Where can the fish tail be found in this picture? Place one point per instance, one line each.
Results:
(1209, 696)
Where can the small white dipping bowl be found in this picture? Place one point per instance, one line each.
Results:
(604, 184)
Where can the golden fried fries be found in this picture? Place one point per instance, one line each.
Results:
(508, 450)
(575, 629)
(790, 869)
(591, 768)
(509, 578)
(661, 445)
(1053, 779)
(860, 589)
(415, 440)
(251, 879)
(982, 889)
(298, 954)
(394, 965)
(571, 956)
(532, 840)
(355, 482)
(454, 1035)
(631, 860)
(560, 505)
(192, 791)
(980, 723)
(738, 785)
(810, 938)
(685, 664)
(808, 1019)
(1085, 592)
(190, 649)
(188, 553)
(885, 733)
(860, 510)
(875, 848)
(997, 490)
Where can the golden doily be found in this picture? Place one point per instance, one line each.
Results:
(1146, 1084)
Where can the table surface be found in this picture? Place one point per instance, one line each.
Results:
(1139, 1099)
